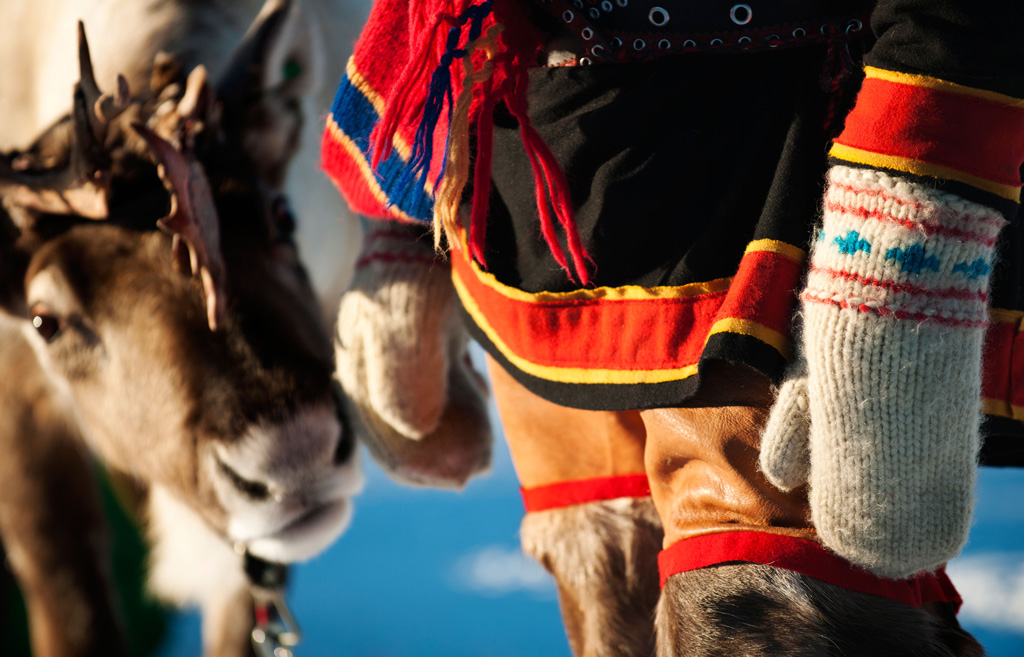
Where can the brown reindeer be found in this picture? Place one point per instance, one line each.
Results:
(155, 306)
(37, 68)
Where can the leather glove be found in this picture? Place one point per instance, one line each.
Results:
(881, 409)
(402, 362)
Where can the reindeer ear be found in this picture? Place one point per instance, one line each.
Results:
(275, 66)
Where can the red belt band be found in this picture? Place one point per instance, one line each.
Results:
(581, 491)
(805, 557)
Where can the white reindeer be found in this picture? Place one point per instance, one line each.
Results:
(192, 360)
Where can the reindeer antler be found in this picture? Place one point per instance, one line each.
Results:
(99, 108)
(82, 186)
(192, 220)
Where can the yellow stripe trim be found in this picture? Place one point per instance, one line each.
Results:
(1001, 408)
(745, 327)
(917, 167)
(624, 293)
(364, 168)
(755, 330)
(564, 374)
(940, 85)
(794, 253)
(635, 292)
(1005, 315)
(997, 407)
(360, 83)
(400, 145)
(375, 99)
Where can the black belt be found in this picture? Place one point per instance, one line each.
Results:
(622, 30)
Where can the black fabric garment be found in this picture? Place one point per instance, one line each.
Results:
(674, 165)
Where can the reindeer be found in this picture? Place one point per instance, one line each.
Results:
(37, 68)
(155, 310)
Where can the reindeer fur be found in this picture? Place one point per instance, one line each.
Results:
(604, 559)
(123, 355)
(760, 611)
(58, 558)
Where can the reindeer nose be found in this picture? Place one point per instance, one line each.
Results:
(347, 441)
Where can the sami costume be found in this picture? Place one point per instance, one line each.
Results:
(633, 195)
(692, 155)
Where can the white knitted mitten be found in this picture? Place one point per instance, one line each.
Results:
(893, 316)
(402, 362)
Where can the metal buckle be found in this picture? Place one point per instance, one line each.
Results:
(275, 632)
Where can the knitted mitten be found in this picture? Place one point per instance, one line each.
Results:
(882, 409)
(402, 362)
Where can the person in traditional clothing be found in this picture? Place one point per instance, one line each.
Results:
(748, 277)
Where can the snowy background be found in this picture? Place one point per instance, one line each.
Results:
(424, 573)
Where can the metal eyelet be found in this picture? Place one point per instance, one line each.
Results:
(594, 12)
(689, 43)
(658, 16)
(854, 26)
(622, 3)
(596, 50)
(799, 32)
(607, 6)
(587, 34)
(741, 14)
(567, 16)
(615, 41)
(639, 44)
(743, 39)
(772, 40)
(664, 44)
(716, 42)
(578, 4)
(585, 61)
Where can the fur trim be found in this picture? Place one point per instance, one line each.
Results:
(603, 556)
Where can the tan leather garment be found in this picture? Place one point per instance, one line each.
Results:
(701, 460)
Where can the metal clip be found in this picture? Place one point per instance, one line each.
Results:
(276, 631)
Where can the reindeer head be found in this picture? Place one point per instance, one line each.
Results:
(147, 250)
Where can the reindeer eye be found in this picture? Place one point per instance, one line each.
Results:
(46, 323)
(252, 489)
(291, 69)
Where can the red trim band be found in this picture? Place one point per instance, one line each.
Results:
(1002, 374)
(804, 557)
(937, 126)
(581, 491)
(666, 331)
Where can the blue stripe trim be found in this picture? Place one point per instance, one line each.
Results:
(356, 117)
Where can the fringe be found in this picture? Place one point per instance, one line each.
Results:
(548, 176)
(503, 74)
(450, 188)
